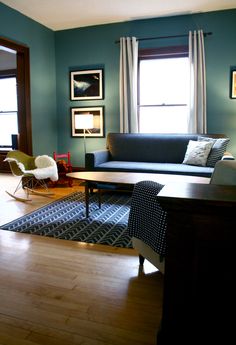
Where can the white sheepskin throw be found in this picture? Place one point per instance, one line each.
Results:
(46, 168)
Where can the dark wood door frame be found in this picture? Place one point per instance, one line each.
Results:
(23, 94)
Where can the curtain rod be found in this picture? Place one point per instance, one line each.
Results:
(161, 37)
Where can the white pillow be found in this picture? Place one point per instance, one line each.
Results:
(197, 152)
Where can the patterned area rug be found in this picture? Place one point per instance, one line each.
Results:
(65, 219)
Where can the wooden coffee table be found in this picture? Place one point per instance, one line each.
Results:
(128, 180)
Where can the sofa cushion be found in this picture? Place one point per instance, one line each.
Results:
(161, 148)
(197, 152)
(161, 168)
(217, 150)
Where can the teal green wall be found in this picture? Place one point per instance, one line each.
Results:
(93, 47)
(54, 54)
(88, 48)
(40, 41)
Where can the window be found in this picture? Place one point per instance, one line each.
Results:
(163, 90)
(8, 111)
(21, 72)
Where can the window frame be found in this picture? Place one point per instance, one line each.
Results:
(23, 95)
(24, 139)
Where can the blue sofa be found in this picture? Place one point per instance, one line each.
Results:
(147, 153)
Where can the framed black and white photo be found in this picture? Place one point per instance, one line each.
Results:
(87, 121)
(233, 84)
(86, 84)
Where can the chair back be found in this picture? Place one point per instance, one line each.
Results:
(15, 158)
(57, 156)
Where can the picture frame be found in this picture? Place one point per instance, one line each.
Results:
(86, 85)
(77, 124)
(233, 84)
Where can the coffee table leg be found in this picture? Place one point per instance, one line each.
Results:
(87, 199)
(99, 198)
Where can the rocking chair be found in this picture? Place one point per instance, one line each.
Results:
(33, 172)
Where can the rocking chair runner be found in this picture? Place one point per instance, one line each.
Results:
(33, 172)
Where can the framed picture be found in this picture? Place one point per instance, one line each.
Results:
(86, 85)
(233, 84)
(87, 121)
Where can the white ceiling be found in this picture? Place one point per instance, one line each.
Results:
(67, 14)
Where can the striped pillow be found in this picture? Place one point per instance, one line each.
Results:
(217, 151)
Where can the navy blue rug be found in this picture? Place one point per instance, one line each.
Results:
(65, 219)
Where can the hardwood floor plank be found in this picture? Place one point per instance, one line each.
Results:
(61, 292)
(31, 333)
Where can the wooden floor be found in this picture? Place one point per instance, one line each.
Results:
(58, 292)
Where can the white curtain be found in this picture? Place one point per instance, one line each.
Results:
(197, 115)
(128, 85)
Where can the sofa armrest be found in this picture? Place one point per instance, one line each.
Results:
(93, 159)
(224, 173)
(227, 156)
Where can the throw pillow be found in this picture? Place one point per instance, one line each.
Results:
(197, 152)
(217, 151)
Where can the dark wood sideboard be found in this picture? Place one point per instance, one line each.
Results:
(200, 265)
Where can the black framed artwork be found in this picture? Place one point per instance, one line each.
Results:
(87, 121)
(233, 84)
(86, 84)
